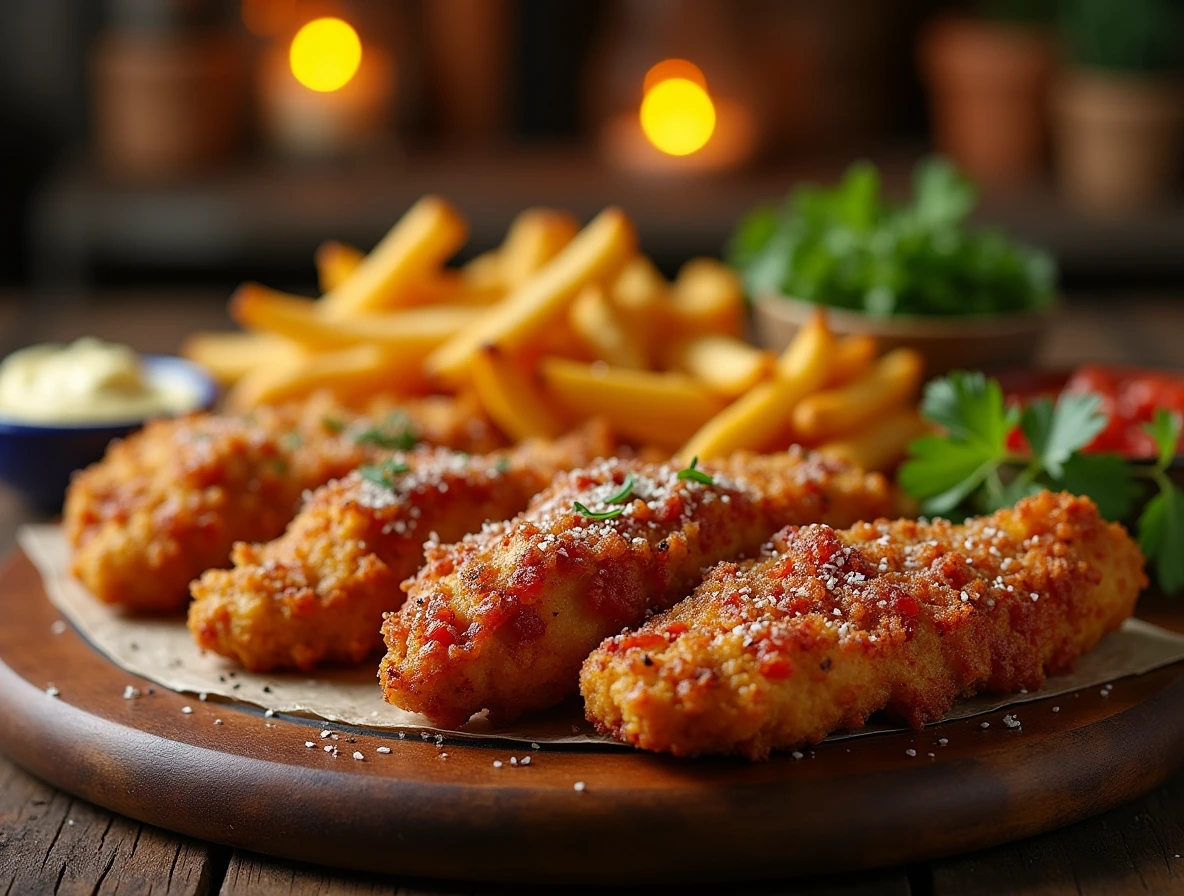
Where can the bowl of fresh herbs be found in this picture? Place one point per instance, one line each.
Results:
(914, 273)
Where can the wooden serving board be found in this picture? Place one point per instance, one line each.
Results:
(446, 810)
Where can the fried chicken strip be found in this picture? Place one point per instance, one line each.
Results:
(832, 626)
(502, 620)
(317, 594)
(169, 502)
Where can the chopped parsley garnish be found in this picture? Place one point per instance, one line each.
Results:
(292, 440)
(395, 433)
(502, 465)
(606, 515)
(971, 468)
(333, 424)
(695, 475)
(619, 498)
(384, 473)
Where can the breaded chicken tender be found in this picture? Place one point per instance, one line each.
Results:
(502, 620)
(169, 502)
(317, 594)
(832, 626)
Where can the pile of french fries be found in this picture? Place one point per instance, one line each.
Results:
(557, 325)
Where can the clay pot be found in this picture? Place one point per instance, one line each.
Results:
(166, 106)
(988, 88)
(1119, 138)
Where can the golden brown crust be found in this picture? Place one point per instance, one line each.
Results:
(502, 620)
(832, 626)
(317, 594)
(168, 502)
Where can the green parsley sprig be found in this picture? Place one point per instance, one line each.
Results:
(395, 432)
(619, 498)
(971, 469)
(384, 473)
(695, 475)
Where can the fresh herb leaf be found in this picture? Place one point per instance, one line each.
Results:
(605, 515)
(395, 433)
(971, 409)
(1161, 533)
(502, 465)
(942, 473)
(293, 440)
(333, 424)
(1054, 433)
(1106, 478)
(1164, 428)
(623, 495)
(849, 247)
(384, 473)
(695, 475)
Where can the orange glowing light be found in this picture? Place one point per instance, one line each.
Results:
(325, 54)
(672, 68)
(677, 114)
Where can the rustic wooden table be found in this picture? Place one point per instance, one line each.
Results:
(53, 843)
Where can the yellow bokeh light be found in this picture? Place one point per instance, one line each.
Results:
(672, 68)
(325, 54)
(678, 116)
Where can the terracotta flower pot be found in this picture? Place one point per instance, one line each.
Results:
(1119, 138)
(988, 89)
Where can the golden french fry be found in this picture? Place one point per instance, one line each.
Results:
(335, 263)
(726, 365)
(760, 415)
(892, 380)
(535, 237)
(511, 400)
(604, 335)
(351, 374)
(642, 296)
(597, 252)
(852, 357)
(484, 272)
(880, 445)
(651, 408)
(709, 298)
(416, 330)
(229, 356)
(422, 240)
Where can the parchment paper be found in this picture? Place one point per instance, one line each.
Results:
(162, 651)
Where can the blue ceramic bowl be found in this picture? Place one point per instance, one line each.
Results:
(37, 459)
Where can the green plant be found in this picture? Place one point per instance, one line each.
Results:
(970, 468)
(1138, 36)
(847, 247)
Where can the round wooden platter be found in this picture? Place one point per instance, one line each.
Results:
(448, 811)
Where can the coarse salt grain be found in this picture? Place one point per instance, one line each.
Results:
(1056, 709)
(579, 786)
(58, 628)
(358, 755)
(309, 743)
(985, 725)
(217, 721)
(384, 749)
(497, 763)
(131, 692)
(326, 733)
(52, 691)
(910, 752)
(269, 714)
(187, 709)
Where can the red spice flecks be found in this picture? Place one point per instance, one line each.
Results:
(444, 614)
(441, 634)
(774, 665)
(675, 629)
(907, 605)
(642, 640)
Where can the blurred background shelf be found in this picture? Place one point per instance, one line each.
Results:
(265, 219)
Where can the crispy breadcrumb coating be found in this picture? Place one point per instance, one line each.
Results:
(168, 502)
(832, 626)
(317, 594)
(502, 620)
